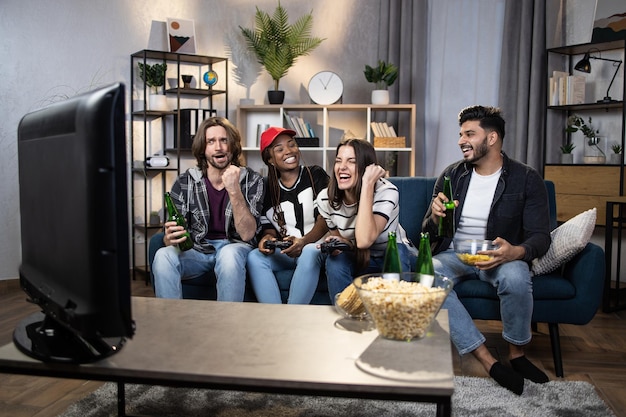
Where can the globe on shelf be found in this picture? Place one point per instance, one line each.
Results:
(210, 78)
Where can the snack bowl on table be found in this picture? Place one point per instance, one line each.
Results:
(401, 307)
(468, 250)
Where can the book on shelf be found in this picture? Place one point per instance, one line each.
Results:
(575, 89)
(565, 89)
(303, 129)
(260, 128)
(382, 129)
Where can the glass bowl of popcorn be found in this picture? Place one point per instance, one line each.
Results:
(470, 251)
(401, 307)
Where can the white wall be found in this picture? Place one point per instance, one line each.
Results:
(56, 49)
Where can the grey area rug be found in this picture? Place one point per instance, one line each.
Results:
(472, 397)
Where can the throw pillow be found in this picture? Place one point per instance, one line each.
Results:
(567, 240)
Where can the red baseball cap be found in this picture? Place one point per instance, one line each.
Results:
(271, 133)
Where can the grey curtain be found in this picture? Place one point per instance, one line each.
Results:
(403, 41)
(522, 96)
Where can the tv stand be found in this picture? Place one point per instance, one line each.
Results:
(41, 337)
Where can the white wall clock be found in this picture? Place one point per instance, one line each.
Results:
(325, 87)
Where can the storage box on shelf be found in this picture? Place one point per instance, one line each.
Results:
(167, 133)
(329, 123)
(583, 186)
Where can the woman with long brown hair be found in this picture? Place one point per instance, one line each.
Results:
(360, 208)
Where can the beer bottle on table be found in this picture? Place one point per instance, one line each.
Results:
(174, 216)
(392, 257)
(424, 266)
(446, 224)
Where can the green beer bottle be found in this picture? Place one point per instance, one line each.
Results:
(446, 224)
(392, 257)
(174, 216)
(424, 266)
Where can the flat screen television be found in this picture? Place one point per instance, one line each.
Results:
(74, 225)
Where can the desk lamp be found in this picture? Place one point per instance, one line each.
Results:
(585, 66)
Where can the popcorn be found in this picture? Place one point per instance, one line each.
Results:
(402, 310)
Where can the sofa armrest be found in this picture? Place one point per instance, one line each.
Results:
(586, 271)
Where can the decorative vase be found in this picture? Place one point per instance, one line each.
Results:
(275, 96)
(158, 102)
(155, 220)
(187, 80)
(567, 158)
(593, 151)
(380, 97)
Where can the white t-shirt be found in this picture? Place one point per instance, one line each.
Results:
(480, 192)
(343, 220)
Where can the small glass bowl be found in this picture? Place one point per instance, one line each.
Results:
(350, 309)
(468, 250)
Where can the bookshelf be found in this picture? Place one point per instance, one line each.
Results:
(330, 123)
(581, 186)
(166, 134)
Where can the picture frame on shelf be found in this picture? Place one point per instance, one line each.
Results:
(610, 21)
(181, 34)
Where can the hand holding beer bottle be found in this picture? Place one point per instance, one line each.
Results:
(174, 216)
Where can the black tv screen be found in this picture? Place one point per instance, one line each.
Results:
(74, 227)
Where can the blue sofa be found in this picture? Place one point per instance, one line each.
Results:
(570, 295)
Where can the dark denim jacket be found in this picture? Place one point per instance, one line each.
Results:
(519, 211)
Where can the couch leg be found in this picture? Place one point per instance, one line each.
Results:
(555, 341)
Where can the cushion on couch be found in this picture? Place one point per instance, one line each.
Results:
(567, 240)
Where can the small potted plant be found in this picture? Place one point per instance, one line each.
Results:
(616, 156)
(277, 44)
(383, 75)
(593, 153)
(154, 77)
(567, 157)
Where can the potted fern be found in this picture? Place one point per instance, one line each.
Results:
(277, 44)
(154, 77)
(383, 75)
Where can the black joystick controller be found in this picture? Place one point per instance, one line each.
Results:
(329, 247)
(277, 244)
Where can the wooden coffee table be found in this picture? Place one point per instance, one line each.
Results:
(291, 349)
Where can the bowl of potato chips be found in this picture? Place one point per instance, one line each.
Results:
(471, 251)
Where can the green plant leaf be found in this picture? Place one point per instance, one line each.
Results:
(277, 44)
(384, 74)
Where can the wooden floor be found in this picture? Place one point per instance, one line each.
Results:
(595, 353)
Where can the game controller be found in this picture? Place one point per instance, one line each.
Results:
(328, 247)
(280, 244)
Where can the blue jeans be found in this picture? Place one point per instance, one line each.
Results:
(341, 269)
(171, 266)
(513, 284)
(306, 271)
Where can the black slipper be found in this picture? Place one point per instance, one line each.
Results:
(508, 378)
(525, 368)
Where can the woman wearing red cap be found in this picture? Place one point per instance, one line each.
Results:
(289, 214)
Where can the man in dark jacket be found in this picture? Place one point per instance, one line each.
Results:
(505, 201)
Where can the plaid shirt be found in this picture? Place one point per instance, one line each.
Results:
(190, 196)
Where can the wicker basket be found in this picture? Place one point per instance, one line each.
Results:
(390, 142)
